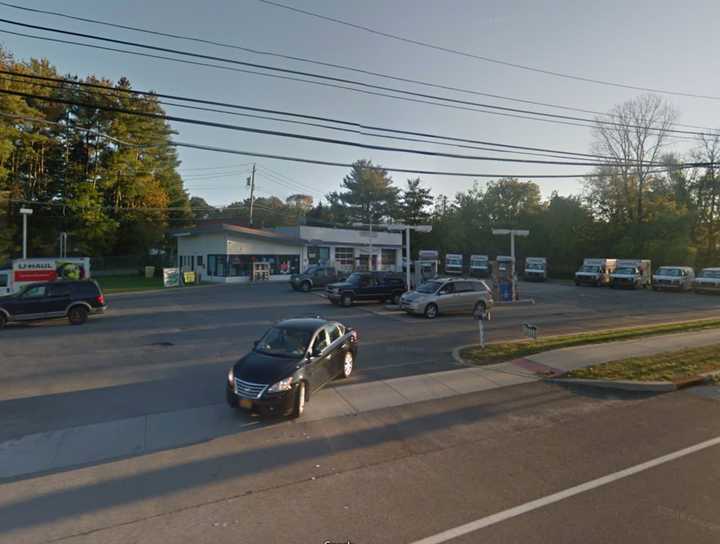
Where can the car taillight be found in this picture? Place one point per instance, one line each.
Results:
(101, 300)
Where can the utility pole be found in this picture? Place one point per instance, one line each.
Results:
(251, 184)
(25, 212)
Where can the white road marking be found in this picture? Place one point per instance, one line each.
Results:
(561, 495)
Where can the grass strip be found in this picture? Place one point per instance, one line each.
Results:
(669, 366)
(120, 284)
(506, 351)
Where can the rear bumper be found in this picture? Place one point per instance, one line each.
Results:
(278, 404)
(99, 310)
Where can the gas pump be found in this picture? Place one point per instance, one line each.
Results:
(427, 265)
(504, 279)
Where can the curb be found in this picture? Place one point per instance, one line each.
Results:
(458, 359)
(628, 385)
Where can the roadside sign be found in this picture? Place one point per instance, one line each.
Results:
(530, 331)
(188, 278)
(171, 277)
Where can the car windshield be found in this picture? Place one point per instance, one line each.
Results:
(710, 274)
(312, 269)
(669, 272)
(429, 287)
(534, 266)
(625, 270)
(284, 342)
(590, 268)
(355, 278)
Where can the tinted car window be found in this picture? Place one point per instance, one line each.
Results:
(59, 290)
(479, 286)
(463, 287)
(321, 342)
(85, 289)
(35, 292)
(284, 341)
(3, 280)
(367, 282)
(334, 333)
(447, 289)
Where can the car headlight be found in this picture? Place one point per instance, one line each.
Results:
(231, 377)
(282, 385)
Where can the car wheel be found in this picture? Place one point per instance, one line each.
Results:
(299, 407)
(306, 286)
(348, 364)
(77, 315)
(431, 311)
(3, 321)
(396, 299)
(347, 300)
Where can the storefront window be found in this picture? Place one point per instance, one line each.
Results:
(344, 258)
(388, 261)
(318, 254)
(242, 265)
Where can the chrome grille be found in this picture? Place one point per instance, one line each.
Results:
(249, 390)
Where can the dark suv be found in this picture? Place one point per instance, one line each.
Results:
(72, 299)
(314, 277)
(365, 286)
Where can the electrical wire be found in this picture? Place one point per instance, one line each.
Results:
(293, 114)
(325, 77)
(487, 59)
(315, 62)
(294, 135)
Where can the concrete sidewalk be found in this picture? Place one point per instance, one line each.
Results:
(96, 443)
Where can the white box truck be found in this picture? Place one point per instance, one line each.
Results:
(26, 271)
(595, 272)
(453, 263)
(678, 278)
(632, 274)
(535, 269)
(480, 266)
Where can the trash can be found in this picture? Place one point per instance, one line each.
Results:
(149, 272)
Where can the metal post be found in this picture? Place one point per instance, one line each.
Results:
(407, 257)
(251, 182)
(370, 259)
(24, 236)
(481, 330)
(512, 254)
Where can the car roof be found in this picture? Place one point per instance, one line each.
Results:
(304, 323)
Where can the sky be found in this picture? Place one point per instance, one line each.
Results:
(658, 44)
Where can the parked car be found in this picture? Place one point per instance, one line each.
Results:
(679, 278)
(292, 360)
(72, 299)
(448, 295)
(367, 286)
(631, 273)
(708, 280)
(314, 277)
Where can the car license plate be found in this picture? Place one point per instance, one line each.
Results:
(245, 403)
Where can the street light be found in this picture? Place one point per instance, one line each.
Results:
(513, 233)
(25, 212)
(407, 229)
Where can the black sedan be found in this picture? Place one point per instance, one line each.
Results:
(295, 358)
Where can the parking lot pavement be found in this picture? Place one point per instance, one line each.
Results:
(168, 351)
(403, 474)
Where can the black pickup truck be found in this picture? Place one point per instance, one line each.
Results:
(367, 286)
(314, 277)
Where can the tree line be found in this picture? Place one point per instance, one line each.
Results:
(110, 180)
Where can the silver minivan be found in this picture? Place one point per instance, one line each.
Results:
(447, 296)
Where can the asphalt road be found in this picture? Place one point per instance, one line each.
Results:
(166, 351)
(407, 474)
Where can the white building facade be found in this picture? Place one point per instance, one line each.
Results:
(226, 253)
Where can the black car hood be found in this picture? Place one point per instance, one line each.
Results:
(265, 369)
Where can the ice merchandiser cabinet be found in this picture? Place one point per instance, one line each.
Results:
(479, 266)
(454, 263)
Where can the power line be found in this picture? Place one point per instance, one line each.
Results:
(302, 116)
(327, 78)
(294, 135)
(410, 171)
(487, 59)
(314, 61)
